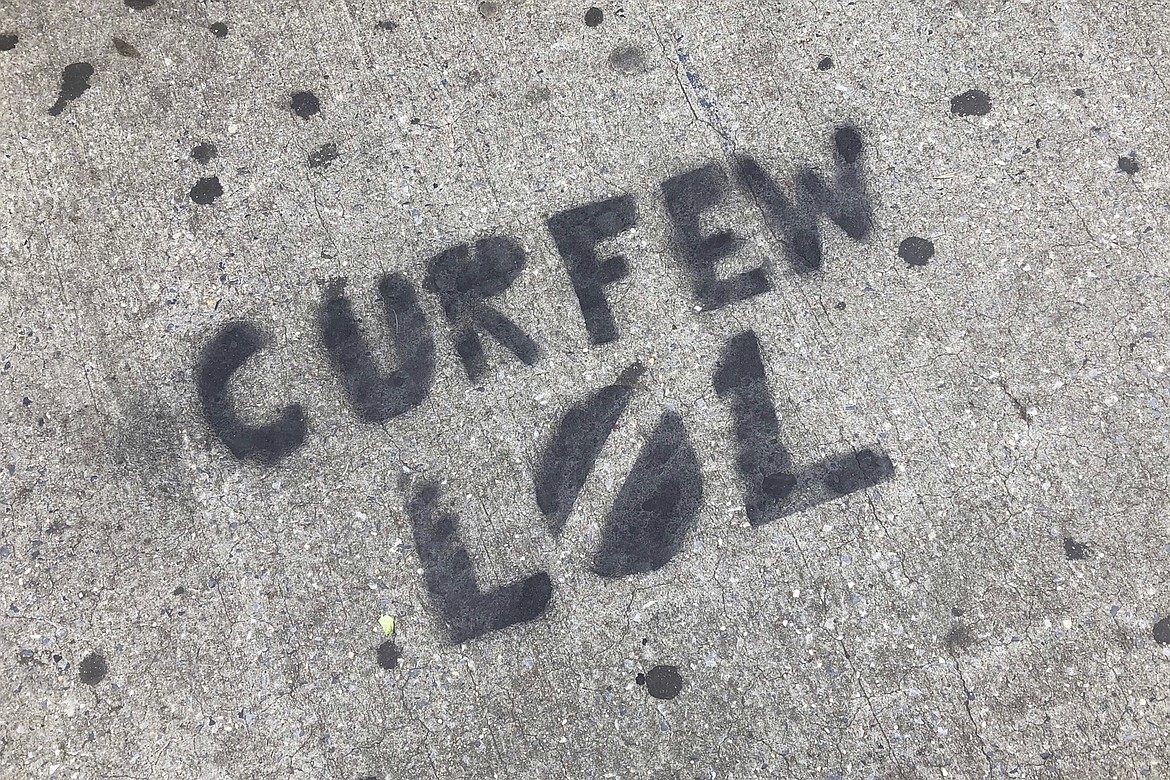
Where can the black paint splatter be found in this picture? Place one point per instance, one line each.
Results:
(1079, 92)
(915, 250)
(826, 63)
(74, 82)
(389, 655)
(8, 41)
(973, 102)
(1074, 550)
(206, 190)
(323, 156)
(594, 17)
(305, 104)
(664, 682)
(139, 5)
(628, 59)
(489, 10)
(640, 679)
(219, 30)
(204, 153)
(92, 669)
(1162, 631)
(1128, 164)
(389, 25)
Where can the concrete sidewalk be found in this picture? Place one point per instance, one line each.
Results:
(706, 390)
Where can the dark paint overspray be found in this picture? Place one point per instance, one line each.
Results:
(8, 41)
(204, 153)
(464, 281)
(575, 445)
(125, 49)
(656, 506)
(92, 669)
(324, 156)
(378, 395)
(450, 575)
(797, 219)
(223, 356)
(74, 83)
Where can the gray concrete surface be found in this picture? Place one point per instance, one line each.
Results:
(170, 610)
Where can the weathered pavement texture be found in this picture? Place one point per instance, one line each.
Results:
(904, 515)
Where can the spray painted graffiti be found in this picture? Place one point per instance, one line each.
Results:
(662, 496)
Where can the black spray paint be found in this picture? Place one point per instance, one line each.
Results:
(206, 190)
(663, 682)
(915, 250)
(688, 196)
(973, 102)
(8, 41)
(656, 506)
(572, 452)
(324, 156)
(92, 669)
(772, 487)
(388, 655)
(450, 575)
(378, 395)
(305, 104)
(846, 203)
(577, 233)
(204, 153)
(74, 83)
(221, 358)
(762, 461)
(1162, 631)
(1074, 550)
(463, 283)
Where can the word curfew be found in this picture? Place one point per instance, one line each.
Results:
(660, 499)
